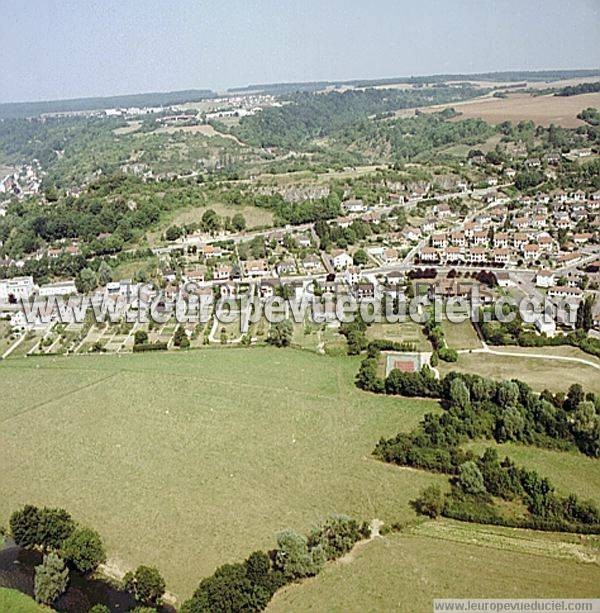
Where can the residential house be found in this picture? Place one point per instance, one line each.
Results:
(340, 259)
(531, 252)
(545, 278)
(354, 205)
(255, 268)
(223, 272)
(429, 254)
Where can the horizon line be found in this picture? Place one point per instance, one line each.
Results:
(337, 82)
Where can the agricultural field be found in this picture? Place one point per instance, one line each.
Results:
(209, 453)
(405, 571)
(539, 373)
(542, 110)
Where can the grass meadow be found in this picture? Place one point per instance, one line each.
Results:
(443, 559)
(12, 601)
(539, 373)
(188, 460)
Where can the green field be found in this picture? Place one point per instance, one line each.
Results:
(404, 572)
(569, 472)
(12, 601)
(400, 332)
(460, 335)
(537, 372)
(189, 460)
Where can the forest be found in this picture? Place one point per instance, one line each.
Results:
(309, 116)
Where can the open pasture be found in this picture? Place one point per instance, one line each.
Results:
(190, 460)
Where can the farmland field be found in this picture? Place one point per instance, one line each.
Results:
(190, 460)
(537, 372)
(404, 572)
(542, 110)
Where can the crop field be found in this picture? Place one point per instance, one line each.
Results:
(444, 559)
(542, 110)
(539, 373)
(190, 460)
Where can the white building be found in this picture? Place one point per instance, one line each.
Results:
(62, 288)
(16, 288)
(545, 278)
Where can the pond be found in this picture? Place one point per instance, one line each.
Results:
(17, 571)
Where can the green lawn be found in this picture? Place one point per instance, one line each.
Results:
(537, 372)
(405, 572)
(189, 460)
(562, 350)
(460, 335)
(12, 601)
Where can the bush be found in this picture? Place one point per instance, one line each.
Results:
(430, 502)
(294, 558)
(447, 354)
(150, 347)
(146, 584)
(84, 550)
(140, 337)
(51, 579)
(336, 536)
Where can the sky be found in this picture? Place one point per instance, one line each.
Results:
(54, 49)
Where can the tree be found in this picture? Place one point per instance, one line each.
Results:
(360, 258)
(280, 334)
(51, 579)
(84, 550)
(210, 221)
(430, 502)
(104, 274)
(99, 608)
(229, 589)
(585, 316)
(140, 337)
(24, 526)
(470, 478)
(510, 425)
(585, 418)
(294, 558)
(180, 338)
(336, 536)
(507, 393)
(146, 584)
(238, 221)
(55, 525)
(459, 393)
(86, 281)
